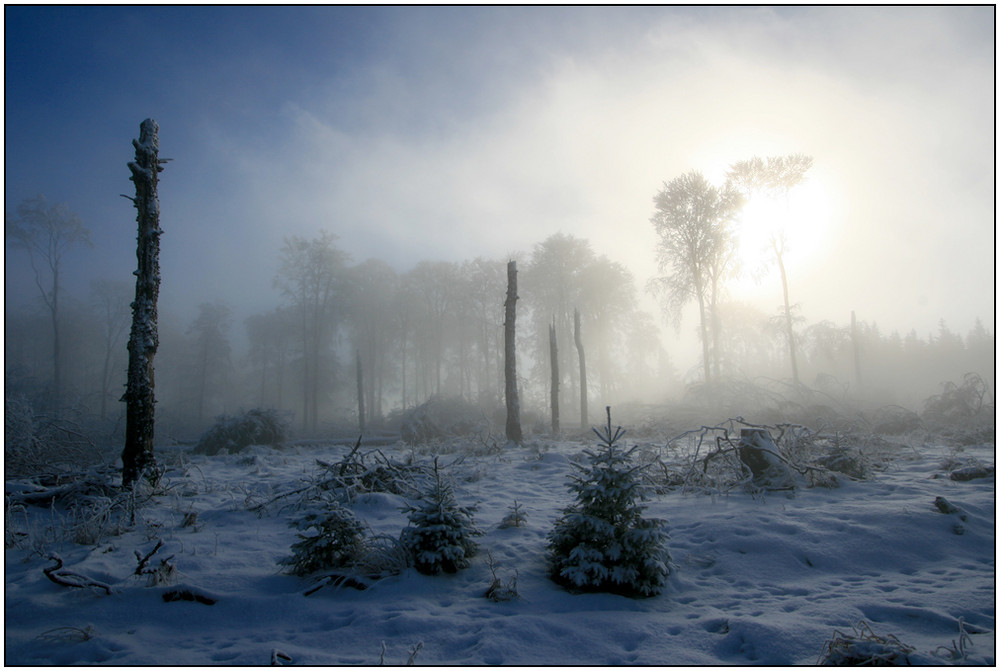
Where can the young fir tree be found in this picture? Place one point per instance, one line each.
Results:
(440, 534)
(602, 543)
(328, 538)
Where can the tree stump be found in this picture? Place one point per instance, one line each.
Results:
(758, 453)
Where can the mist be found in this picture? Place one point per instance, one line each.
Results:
(436, 144)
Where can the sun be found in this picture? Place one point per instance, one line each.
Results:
(798, 220)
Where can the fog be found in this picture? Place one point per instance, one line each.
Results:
(422, 136)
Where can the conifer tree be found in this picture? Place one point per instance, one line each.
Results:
(328, 538)
(602, 543)
(440, 535)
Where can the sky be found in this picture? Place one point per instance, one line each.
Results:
(447, 133)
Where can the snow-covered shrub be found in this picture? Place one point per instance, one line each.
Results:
(328, 538)
(863, 647)
(602, 542)
(439, 418)
(37, 443)
(500, 590)
(440, 535)
(894, 420)
(958, 402)
(381, 556)
(253, 427)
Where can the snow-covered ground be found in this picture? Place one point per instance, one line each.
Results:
(756, 579)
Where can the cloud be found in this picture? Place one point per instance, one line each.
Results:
(450, 133)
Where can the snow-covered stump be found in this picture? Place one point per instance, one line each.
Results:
(758, 452)
(137, 456)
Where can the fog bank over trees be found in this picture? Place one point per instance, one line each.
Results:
(436, 330)
(347, 184)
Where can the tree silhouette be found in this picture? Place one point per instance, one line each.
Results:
(47, 231)
(771, 177)
(692, 220)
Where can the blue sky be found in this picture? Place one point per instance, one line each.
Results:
(449, 133)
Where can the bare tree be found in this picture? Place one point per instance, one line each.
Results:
(110, 299)
(578, 339)
(692, 221)
(554, 384)
(270, 337)
(374, 318)
(47, 232)
(774, 176)
(212, 364)
(137, 456)
(510, 365)
(311, 275)
(361, 391)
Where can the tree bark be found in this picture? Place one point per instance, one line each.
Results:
(510, 367)
(137, 457)
(554, 391)
(578, 338)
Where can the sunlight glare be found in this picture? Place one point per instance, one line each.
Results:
(802, 217)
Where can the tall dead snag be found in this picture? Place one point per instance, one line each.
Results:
(554, 392)
(509, 365)
(578, 339)
(137, 457)
(361, 395)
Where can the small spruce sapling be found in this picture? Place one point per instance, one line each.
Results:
(329, 538)
(440, 535)
(602, 543)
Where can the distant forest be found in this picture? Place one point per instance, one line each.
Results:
(437, 329)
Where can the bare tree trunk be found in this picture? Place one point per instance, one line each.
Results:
(137, 457)
(56, 357)
(403, 366)
(361, 395)
(105, 383)
(510, 367)
(578, 338)
(788, 316)
(554, 391)
(705, 359)
(716, 340)
(856, 346)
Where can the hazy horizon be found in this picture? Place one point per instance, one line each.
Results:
(450, 133)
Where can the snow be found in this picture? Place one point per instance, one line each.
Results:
(763, 579)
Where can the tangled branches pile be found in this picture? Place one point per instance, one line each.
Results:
(716, 459)
(38, 443)
(357, 473)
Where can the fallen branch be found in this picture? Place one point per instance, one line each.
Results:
(188, 595)
(143, 561)
(69, 578)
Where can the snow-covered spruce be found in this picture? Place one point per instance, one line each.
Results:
(329, 538)
(440, 535)
(602, 543)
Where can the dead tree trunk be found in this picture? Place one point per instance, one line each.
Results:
(788, 312)
(137, 457)
(554, 356)
(510, 366)
(361, 395)
(583, 368)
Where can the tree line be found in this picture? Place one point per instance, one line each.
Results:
(435, 329)
(348, 339)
